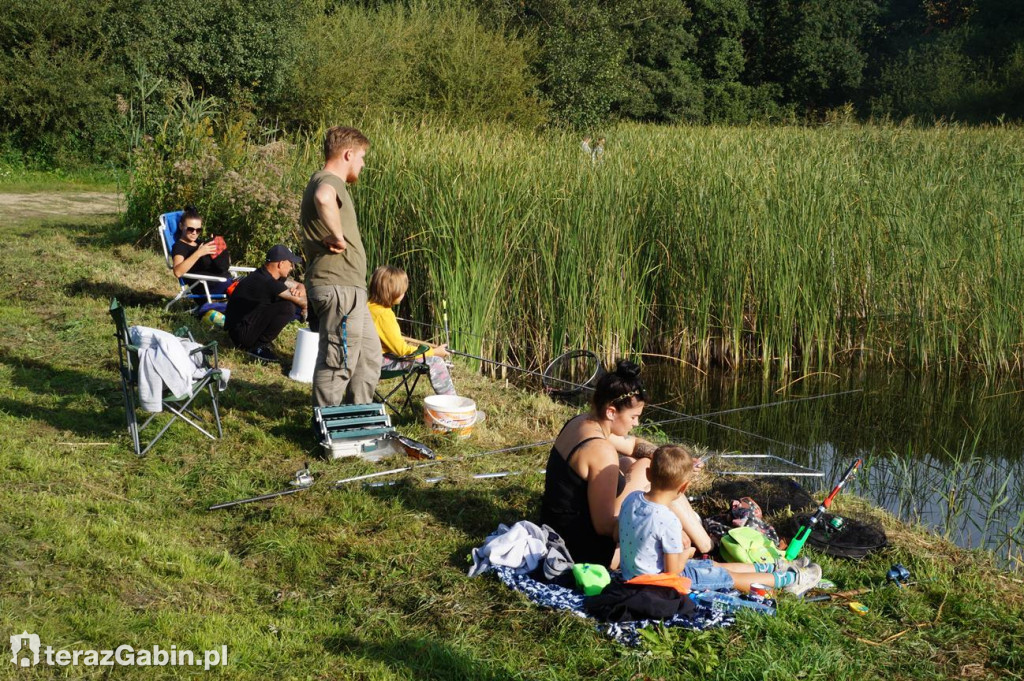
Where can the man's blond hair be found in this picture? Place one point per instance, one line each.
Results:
(671, 466)
(340, 138)
(387, 284)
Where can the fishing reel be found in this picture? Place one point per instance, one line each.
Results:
(303, 478)
(898, 575)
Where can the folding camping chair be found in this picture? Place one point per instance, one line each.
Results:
(180, 406)
(192, 287)
(406, 380)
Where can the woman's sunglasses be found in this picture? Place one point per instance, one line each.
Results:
(197, 230)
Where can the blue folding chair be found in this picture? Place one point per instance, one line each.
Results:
(194, 288)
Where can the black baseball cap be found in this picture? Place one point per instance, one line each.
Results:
(281, 252)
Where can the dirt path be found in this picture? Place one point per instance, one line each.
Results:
(46, 204)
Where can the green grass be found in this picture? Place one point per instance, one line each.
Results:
(99, 548)
(15, 179)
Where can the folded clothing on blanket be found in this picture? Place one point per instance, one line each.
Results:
(523, 547)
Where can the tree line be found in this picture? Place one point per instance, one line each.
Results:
(85, 80)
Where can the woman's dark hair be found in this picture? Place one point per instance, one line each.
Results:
(619, 388)
(190, 213)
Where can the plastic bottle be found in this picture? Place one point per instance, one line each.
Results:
(215, 317)
(730, 603)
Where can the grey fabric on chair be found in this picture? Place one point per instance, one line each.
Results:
(179, 406)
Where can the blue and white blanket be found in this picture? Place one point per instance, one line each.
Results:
(627, 633)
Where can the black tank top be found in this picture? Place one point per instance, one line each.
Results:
(566, 509)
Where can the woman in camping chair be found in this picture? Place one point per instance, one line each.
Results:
(388, 285)
(189, 256)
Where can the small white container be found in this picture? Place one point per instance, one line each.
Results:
(307, 344)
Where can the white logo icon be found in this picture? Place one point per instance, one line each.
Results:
(25, 640)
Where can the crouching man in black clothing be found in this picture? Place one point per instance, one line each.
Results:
(263, 303)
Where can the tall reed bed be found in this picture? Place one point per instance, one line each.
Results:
(793, 247)
(790, 246)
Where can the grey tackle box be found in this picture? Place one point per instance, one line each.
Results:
(353, 430)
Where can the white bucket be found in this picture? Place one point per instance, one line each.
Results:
(450, 414)
(307, 344)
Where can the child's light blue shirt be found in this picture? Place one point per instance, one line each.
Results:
(647, 531)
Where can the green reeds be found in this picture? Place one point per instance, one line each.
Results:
(797, 248)
(794, 247)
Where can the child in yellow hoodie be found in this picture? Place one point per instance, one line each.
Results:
(388, 285)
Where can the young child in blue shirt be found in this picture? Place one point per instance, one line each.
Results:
(651, 537)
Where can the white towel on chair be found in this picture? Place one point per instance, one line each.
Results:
(164, 362)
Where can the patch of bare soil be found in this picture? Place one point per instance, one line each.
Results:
(50, 204)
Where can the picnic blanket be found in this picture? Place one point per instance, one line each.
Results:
(627, 633)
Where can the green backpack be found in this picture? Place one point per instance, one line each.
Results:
(747, 545)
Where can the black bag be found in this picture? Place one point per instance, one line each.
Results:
(845, 537)
(630, 602)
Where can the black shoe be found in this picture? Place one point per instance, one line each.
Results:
(263, 354)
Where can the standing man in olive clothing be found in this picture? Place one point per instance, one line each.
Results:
(348, 361)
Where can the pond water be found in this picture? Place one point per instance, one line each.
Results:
(945, 450)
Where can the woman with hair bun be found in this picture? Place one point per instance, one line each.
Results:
(595, 463)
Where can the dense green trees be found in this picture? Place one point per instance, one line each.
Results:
(89, 77)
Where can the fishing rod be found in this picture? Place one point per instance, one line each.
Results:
(447, 333)
(302, 481)
(438, 478)
(793, 550)
(681, 417)
(457, 459)
(533, 445)
(515, 368)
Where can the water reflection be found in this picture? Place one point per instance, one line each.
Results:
(943, 449)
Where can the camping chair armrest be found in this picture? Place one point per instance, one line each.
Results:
(420, 352)
(241, 270)
(210, 347)
(202, 277)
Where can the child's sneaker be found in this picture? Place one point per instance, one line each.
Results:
(781, 565)
(806, 579)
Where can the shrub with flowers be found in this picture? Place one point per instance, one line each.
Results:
(244, 190)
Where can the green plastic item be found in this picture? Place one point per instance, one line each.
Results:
(747, 545)
(591, 577)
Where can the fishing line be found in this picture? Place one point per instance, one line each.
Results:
(303, 480)
(753, 406)
(542, 443)
(680, 417)
(456, 459)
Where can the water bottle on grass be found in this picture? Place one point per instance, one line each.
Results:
(728, 604)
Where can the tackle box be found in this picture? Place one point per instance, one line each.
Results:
(354, 430)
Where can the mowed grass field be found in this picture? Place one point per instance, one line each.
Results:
(99, 548)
